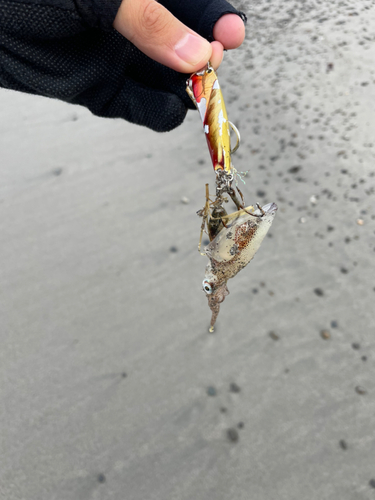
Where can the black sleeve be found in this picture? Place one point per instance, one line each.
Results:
(67, 49)
(56, 18)
(98, 13)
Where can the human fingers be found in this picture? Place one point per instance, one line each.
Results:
(230, 31)
(217, 54)
(162, 37)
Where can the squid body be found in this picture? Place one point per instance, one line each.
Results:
(232, 249)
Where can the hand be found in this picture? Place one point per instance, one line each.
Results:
(70, 51)
(165, 39)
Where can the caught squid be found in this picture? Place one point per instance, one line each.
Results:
(236, 237)
(232, 249)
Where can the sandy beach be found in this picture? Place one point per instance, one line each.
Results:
(111, 386)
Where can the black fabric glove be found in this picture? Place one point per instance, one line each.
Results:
(68, 49)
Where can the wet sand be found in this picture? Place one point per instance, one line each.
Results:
(111, 386)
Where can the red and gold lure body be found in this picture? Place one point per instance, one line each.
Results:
(204, 90)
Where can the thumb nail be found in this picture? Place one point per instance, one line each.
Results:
(192, 49)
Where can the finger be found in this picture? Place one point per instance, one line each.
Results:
(217, 54)
(202, 15)
(230, 31)
(162, 37)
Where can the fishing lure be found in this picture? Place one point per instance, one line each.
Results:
(204, 90)
(234, 238)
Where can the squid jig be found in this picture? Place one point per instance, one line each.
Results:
(234, 238)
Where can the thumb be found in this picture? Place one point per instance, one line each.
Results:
(162, 37)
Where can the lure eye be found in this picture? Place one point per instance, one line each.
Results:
(207, 287)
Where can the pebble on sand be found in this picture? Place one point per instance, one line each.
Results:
(232, 435)
(295, 169)
(325, 334)
(360, 390)
(211, 391)
(233, 387)
(274, 336)
(343, 444)
(57, 171)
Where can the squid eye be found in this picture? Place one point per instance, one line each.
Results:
(207, 287)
